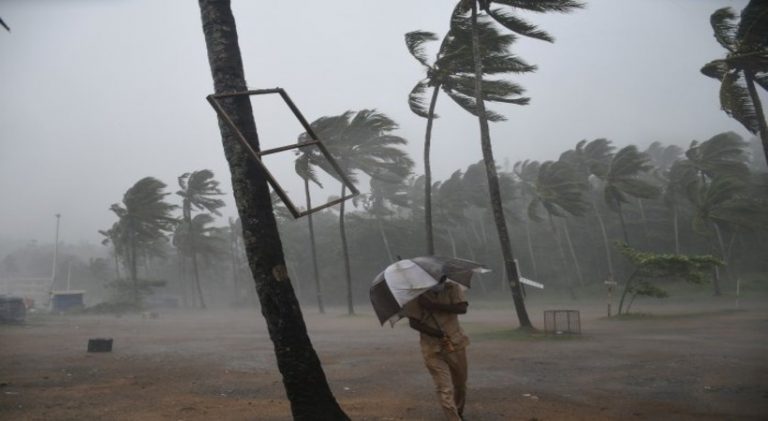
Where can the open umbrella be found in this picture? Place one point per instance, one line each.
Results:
(404, 280)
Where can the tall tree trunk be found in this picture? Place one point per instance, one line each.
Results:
(676, 228)
(761, 124)
(313, 250)
(530, 248)
(385, 240)
(196, 274)
(563, 260)
(644, 222)
(134, 265)
(183, 278)
(303, 376)
(117, 264)
(573, 252)
(623, 224)
(723, 255)
(453, 243)
(428, 175)
(345, 254)
(493, 182)
(604, 232)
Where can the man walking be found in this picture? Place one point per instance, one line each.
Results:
(443, 342)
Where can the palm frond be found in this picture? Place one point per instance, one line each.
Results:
(542, 6)
(417, 100)
(415, 41)
(469, 104)
(753, 25)
(519, 26)
(736, 102)
(724, 27)
(716, 69)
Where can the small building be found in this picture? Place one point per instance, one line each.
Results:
(12, 309)
(67, 300)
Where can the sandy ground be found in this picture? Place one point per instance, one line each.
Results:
(705, 362)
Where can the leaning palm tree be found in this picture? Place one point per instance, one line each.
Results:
(198, 190)
(303, 378)
(361, 142)
(745, 64)
(450, 72)
(143, 217)
(722, 155)
(305, 168)
(622, 180)
(591, 161)
(113, 236)
(504, 15)
(555, 188)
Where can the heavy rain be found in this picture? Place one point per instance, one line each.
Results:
(392, 210)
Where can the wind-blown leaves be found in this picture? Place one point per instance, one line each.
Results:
(736, 102)
(415, 40)
(723, 23)
(723, 154)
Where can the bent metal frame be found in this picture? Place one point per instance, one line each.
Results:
(213, 99)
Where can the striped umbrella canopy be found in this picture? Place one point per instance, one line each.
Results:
(403, 281)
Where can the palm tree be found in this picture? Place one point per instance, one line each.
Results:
(305, 169)
(198, 239)
(507, 19)
(198, 189)
(112, 236)
(554, 186)
(665, 172)
(361, 142)
(622, 179)
(591, 161)
(303, 377)
(723, 154)
(451, 73)
(143, 217)
(746, 63)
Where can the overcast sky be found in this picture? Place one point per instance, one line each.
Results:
(96, 94)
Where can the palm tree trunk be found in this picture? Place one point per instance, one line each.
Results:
(183, 279)
(677, 229)
(723, 255)
(428, 175)
(563, 260)
(345, 253)
(196, 274)
(453, 243)
(385, 240)
(644, 222)
(134, 266)
(493, 182)
(117, 264)
(303, 377)
(623, 224)
(530, 249)
(604, 232)
(313, 250)
(763, 128)
(573, 252)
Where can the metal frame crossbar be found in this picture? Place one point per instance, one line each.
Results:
(213, 99)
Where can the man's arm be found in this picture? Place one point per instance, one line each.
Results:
(457, 308)
(425, 329)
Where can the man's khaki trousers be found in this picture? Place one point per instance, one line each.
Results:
(449, 372)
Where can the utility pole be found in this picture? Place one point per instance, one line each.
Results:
(55, 250)
(55, 258)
